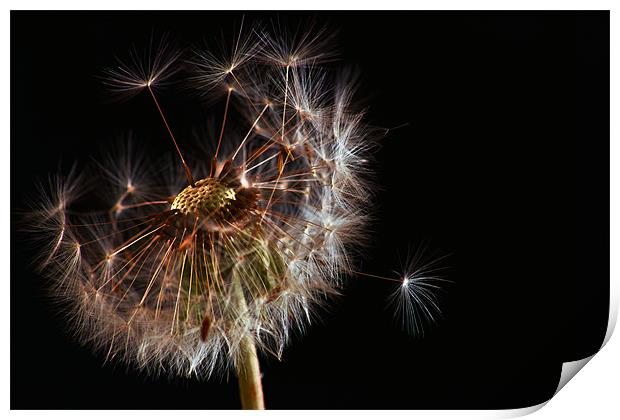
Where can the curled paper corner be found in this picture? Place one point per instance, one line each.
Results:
(570, 368)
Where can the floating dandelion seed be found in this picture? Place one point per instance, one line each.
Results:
(152, 67)
(415, 296)
(192, 273)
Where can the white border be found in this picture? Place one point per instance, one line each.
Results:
(593, 395)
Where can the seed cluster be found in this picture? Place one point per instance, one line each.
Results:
(241, 257)
(208, 197)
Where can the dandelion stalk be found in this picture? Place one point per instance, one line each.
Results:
(250, 386)
(248, 368)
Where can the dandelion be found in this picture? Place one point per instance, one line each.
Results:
(194, 272)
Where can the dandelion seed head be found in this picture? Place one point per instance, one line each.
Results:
(175, 269)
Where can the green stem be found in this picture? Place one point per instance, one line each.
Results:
(248, 368)
(250, 386)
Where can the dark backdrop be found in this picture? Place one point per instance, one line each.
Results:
(504, 164)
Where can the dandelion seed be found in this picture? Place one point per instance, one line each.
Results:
(415, 298)
(217, 68)
(151, 68)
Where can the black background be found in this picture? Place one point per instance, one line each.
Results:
(504, 164)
